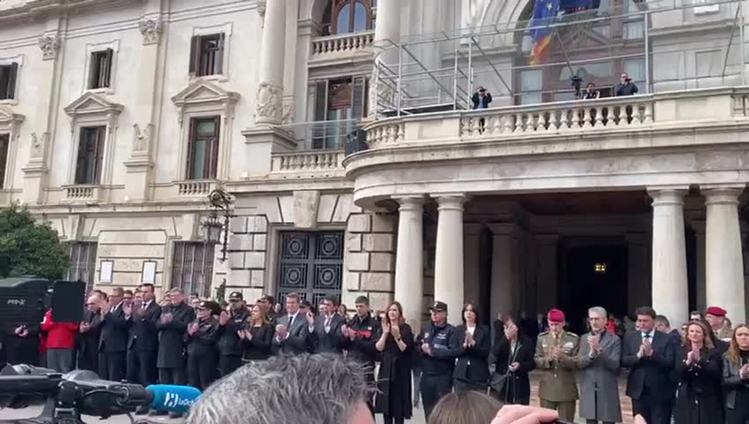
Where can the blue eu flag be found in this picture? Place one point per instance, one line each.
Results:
(544, 14)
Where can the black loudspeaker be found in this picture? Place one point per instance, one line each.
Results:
(67, 301)
(22, 302)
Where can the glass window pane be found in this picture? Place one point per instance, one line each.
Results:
(342, 24)
(635, 68)
(708, 63)
(198, 162)
(531, 80)
(360, 17)
(206, 128)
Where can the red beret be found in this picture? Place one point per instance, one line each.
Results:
(555, 315)
(716, 311)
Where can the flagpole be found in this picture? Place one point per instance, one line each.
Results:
(564, 51)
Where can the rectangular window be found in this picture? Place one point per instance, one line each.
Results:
(202, 148)
(341, 103)
(531, 85)
(100, 69)
(192, 267)
(90, 155)
(8, 75)
(82, 262)
(709, 63)
(207, 54)
(4, 141)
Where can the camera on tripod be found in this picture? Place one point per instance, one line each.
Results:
(67, 397)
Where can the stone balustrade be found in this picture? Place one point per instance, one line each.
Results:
(342, 43)
(80, 193)
(315, 161)
(197, 188)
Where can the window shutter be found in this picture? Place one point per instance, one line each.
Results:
(80, 166)
(358, 97)
(106, 68)
(12, 73)
(194, 54)
(93, 72)
(191, 149)
(219, 64)
(321, 100)
(99, 154)
(213, 166)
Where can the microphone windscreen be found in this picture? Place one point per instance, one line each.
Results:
(172, 398)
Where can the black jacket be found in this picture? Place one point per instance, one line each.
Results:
(114, 331)
(259, 347)
(472, 363)
(296, 342)
(699, 397)
(476, 98)
(362, 348)
(229, 344)
(88, 342)
(205, 341)
(320, 341)
(172, 336)
(143, 327)
(518, 385)
(626, 89)
(443, 347)
(653, 373)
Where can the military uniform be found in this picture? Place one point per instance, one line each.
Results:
(558, 388)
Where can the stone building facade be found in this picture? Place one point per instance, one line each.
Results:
(117, 118)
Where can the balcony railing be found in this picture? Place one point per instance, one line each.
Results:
(78, 193)
(342, 43)
(685, 108)
(194, 188)
(307, 161)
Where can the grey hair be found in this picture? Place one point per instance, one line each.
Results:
(598, 310)
(321, 389)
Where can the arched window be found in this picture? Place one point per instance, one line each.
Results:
(351, 16)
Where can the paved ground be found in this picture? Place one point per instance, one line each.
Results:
(418, 413)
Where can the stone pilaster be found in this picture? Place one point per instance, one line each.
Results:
(669, 270)
(505, 279)
(270, 88)
(409, 261)
(724, 262)
(448, 272)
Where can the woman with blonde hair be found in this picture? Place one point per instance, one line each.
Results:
(396, 343)
(698, 372)
(736, 377)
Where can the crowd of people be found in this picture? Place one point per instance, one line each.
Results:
(698, 373)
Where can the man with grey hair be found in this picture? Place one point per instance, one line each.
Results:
(321, 389)
(599, 359)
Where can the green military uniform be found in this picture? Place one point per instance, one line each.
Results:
(558, 388)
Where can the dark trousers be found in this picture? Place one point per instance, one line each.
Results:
(201, 371)
(653, 411)
(390, 420)
(739, 415)
(227, 364)
(433, 387)
(172, 376)
(60, 359)
(466, 386)
(148, 372)
(133, 366)
(113, 366)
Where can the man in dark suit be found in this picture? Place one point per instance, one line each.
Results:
(361, 334)
(649, 355)
(230, 346)
(325, 333)
(114, 335)
(144, 318)
(88, 338)
(291, 331)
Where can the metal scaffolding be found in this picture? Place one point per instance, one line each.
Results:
(437, 72)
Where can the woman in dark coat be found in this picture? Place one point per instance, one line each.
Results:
(471, 367)
(202, 346)
(514, 360)
(393, 399)
(736, 377)
(699, 372)
(257, 336)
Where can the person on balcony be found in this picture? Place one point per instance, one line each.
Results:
(591, 92)
(481, 98)
(625, 87)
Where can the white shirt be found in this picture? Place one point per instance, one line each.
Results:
(470, 329)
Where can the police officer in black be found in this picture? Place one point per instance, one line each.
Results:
(202, 345)
(438, 350)
(361, 334)
(229, 344)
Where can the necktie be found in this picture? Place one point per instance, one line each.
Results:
(291, 320)
(327, 324)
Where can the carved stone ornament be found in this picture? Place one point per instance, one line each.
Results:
(150, 28)
(38, 144)
(142, 137)
(49, 44)
(262, 6)
(269, 103)
(288, 112)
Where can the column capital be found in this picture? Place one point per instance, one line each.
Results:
(503, 229)
(722, 194)
(667, 195)
(452, 201)
(410, 202)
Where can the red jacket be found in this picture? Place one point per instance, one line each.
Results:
(60, 335)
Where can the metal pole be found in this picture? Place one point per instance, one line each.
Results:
(470, 70)
(730, 42)
(455, 76)
(645, 21)
(742, 46)
(400, 73)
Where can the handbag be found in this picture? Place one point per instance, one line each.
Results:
(497, 382)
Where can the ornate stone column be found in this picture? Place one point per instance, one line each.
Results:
(272, 47)
(669, 272)
(409, 259)
(724, 264)
(448, 264)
